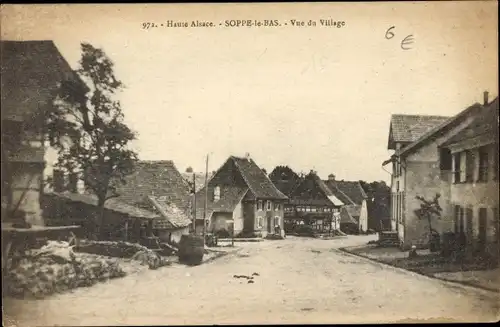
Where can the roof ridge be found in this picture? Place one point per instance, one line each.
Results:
(241, 172)
(440, 126)
(420, 115)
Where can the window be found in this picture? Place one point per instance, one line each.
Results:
(260, 206)
(269, 205)
(456, 167)
(276, 221)
(277, 206)
(216, 193)
(313, 209)
(483, 164)
(260, 222)
(308, 209)
(445, 159)
(469, 166)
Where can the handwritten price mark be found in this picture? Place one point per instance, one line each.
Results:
(405, 43)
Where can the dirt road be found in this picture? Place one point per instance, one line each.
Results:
(299, 281)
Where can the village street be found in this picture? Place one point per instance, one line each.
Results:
(301, 280)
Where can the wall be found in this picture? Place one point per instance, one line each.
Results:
(238, 218)
(478, 195)
(263, 230)
(26, 187)
(219, 221)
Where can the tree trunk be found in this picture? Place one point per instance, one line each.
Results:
(99, 223)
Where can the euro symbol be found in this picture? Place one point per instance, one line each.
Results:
(407, 41)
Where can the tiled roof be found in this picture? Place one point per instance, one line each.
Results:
(350, 214)
(439, 129)
(485, 123)
(353, 190)
(338, 193)
(156, 178)
(111, 204)
(229, 198)
(286, 186)
(408, 128)
(257, 181)
(303, 195)
(31, 71)
(176, 217)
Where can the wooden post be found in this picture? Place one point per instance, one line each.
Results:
(206, 202)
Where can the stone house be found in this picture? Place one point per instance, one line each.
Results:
(473, 186)
(313, 202)
(240, 199)
(354, 214)
(31, 73)
(421, 168)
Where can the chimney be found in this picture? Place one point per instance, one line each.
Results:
(331, 177)
(73, 183)
(58, 180)
(485, 97)
(247, 156)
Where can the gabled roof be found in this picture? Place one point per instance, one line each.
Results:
(484, 124)
(31, 71)
(111, 204)
(353, 190)
(257, 181)
(350, 214)
(229, 199)
(331, 196)
(440, 129)
(157, 178)
(338, 193)
(408, 128)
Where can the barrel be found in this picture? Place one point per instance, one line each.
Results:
(191, 250)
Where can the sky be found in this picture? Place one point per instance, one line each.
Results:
(316, 98)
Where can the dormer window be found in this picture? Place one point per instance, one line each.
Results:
(216, 193)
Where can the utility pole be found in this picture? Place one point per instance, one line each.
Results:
(206, 202)
(194, 203)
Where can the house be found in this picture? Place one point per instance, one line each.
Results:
(240, 199)
(154, 195)
(354, 215)
(473, 186)
(31, 72)
(122, 221)
(160, 185)
(421, 168)
(313, 203)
